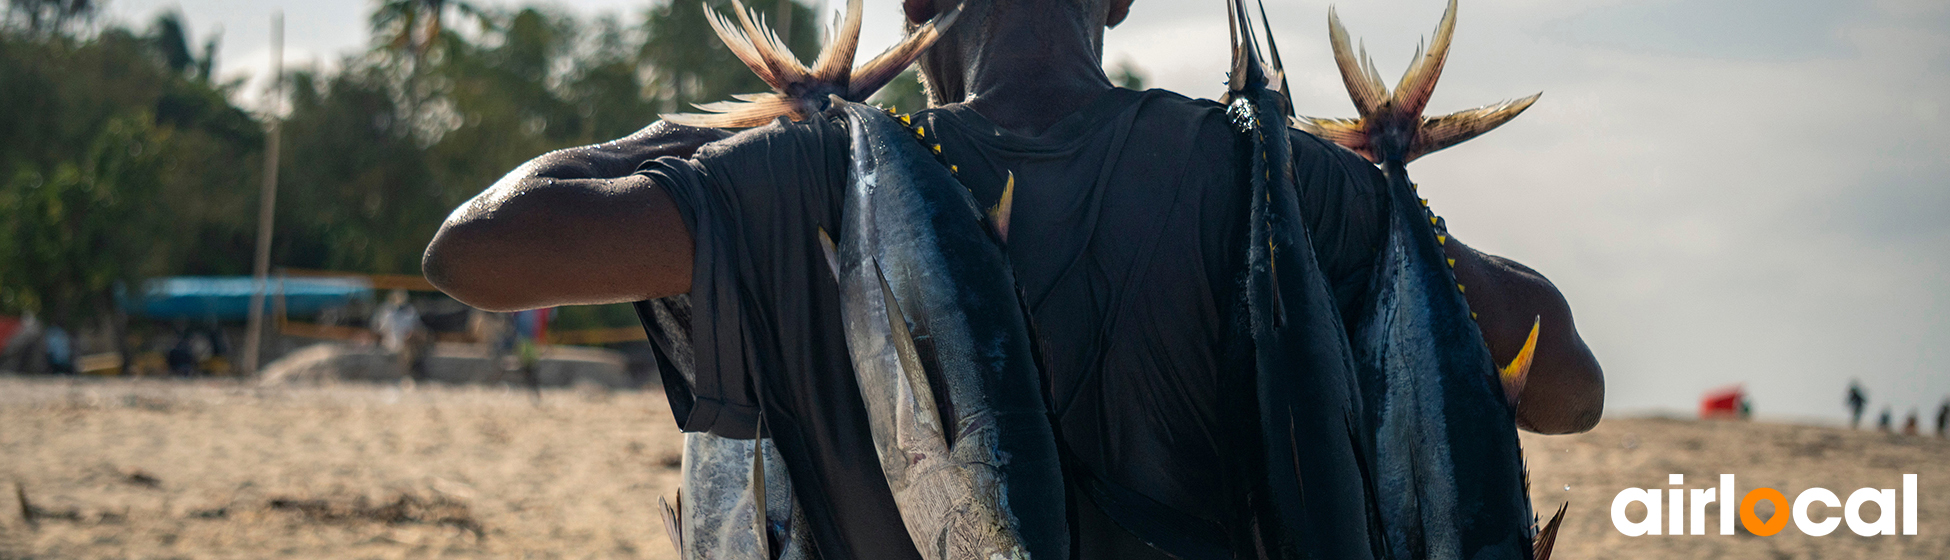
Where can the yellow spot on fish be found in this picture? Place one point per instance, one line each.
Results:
(1459, 288)
(1441, 239)
(936, 148)
(954, 169)
(907, 120)
(1425, 202)
(1452, 263)
(1432, 220)
(920, 130)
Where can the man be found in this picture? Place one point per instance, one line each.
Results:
(1126, 241)
(1856, 401)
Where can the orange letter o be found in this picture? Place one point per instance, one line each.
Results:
(1752, 522)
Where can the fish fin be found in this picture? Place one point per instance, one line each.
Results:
(1518, 372)
(761, 51)
(826, 247)
(1455, 128)
(999, 215)
(910, 355)
(1412, 93)
(673, 527)
(1547, 538)
(743, 47)
(1278, 71)
(761, 535)
(836, 61)
(755, 110)
(1241, 50)
(1348, 133)
(870, 77)
(785, 66)
(1363, 83)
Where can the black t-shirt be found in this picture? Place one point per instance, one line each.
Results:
(1126, 240)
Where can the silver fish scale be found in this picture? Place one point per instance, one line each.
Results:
(716, 498)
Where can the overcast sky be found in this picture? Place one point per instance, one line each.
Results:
(1729, 191)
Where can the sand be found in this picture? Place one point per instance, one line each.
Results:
(173, 469)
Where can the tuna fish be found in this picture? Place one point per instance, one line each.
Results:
(940, 345)
(716, 516)
(1317, 502)
(939, 338)
(1447, 465)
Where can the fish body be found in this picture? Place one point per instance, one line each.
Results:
(940, 345)
(718, 498)
(1317, 500)
(1447, 465)
(718, 502)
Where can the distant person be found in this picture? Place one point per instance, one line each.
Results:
(398, 325)
(496, 338)
(1943, 420)
(1883, 424)
(1856, 401)
(19, 352)
(1909, 425)
(60, 351)
(182, 357)
(531, 330)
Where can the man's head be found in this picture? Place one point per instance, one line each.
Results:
(1049, 27)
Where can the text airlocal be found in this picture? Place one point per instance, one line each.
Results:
(1677, 514)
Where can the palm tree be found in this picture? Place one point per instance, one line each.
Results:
(416, 25)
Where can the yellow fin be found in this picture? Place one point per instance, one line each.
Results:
(1515, 374)
(999, 215)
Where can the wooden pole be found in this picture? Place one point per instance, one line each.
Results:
(267, 203)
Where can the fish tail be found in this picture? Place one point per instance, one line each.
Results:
(1418, 83)
(870, 77)
(1363, 83)
(1455, 128)
(1391, 126)
(799, 92)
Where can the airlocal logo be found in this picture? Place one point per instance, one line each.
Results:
(1800, 511)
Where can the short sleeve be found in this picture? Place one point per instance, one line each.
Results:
(1345, 201)
(751, 203)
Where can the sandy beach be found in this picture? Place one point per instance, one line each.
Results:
(173, 469)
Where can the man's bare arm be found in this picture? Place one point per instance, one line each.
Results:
(1565, 392)
(573, 226)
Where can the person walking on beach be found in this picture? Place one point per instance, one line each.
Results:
(1856, 401)
(1943, 419)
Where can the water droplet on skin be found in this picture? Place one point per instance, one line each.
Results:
(1567, 488)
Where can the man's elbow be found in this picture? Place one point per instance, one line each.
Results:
(1572, 402)
(458, 264)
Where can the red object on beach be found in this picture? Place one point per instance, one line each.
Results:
(1724, 403)
(8, 326)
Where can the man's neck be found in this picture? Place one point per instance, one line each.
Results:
(1038, 66)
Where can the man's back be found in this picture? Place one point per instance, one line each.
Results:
(1125, 242)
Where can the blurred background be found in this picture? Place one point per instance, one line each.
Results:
(1746, 202)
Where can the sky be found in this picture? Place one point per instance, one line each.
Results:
(1751, 192)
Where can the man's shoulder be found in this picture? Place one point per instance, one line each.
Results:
(817, 130)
